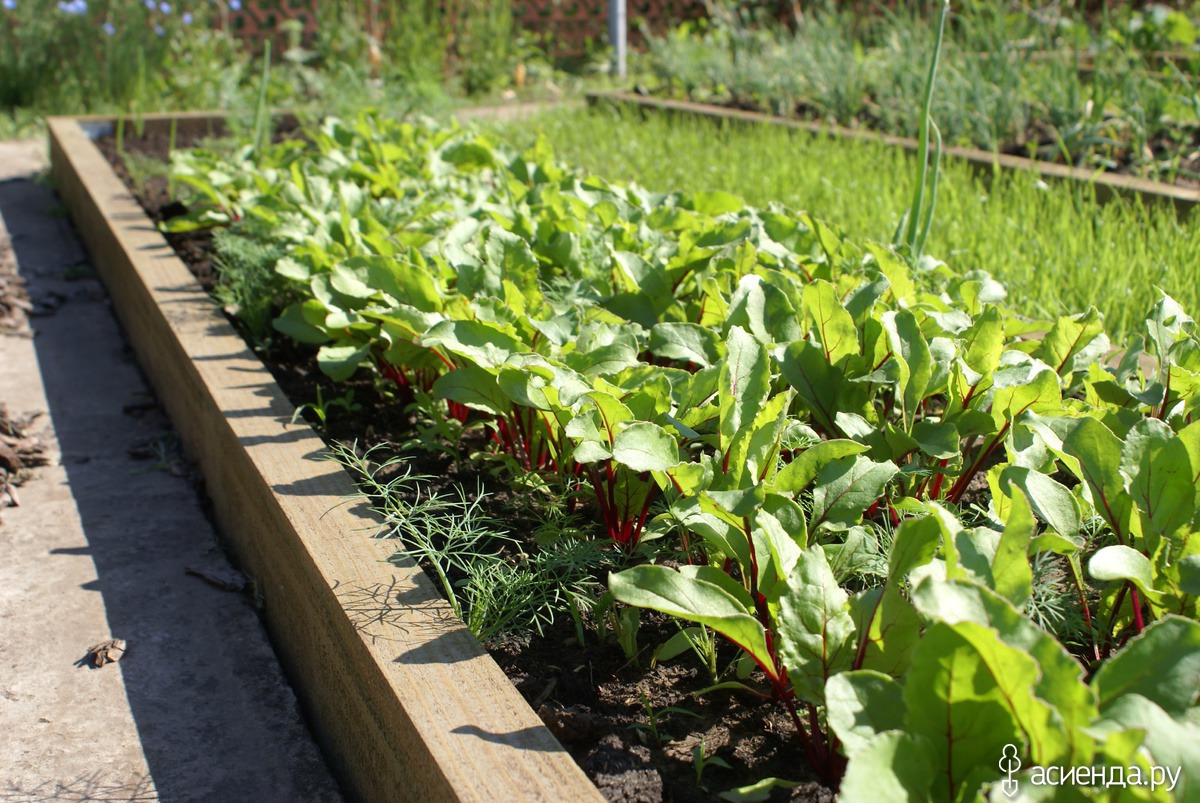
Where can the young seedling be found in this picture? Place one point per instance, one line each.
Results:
(654, 719)
(702, 761)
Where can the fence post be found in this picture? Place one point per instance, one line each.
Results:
(618, 36)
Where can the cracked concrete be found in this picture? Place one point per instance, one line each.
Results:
(198, 708)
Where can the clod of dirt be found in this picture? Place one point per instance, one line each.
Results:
(139, 408)
(623, 774)
(224, 579)
(10, 461)
(574, 725)
(19, 451)
(15, 305)
(106, 652)
(47, 305)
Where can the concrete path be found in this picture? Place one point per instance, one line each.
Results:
(197, 709)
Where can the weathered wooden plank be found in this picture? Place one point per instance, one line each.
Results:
(404, 700)
(1107, 184)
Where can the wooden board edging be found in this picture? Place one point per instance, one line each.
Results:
(1106, 184)
(403, 699)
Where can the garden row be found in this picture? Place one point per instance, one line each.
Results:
(1013, 79)
(932, 528)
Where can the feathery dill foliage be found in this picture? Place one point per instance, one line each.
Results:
(491, 583)
(245, 278)
(1055, 246)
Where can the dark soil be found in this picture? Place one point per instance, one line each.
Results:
(595, 700)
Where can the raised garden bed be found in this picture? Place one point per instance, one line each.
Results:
(1107, 184)
(402, 697)
(745, 434)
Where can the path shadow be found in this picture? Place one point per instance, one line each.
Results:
(215, 718)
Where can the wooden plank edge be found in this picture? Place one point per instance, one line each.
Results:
(404, 700)
(1107, 184)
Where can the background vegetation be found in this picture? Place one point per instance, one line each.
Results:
(1054, 245)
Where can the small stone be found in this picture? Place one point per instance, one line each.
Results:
(106, 652)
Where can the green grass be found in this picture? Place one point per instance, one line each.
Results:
(1056, 248)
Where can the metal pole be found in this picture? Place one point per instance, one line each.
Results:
(618, 30)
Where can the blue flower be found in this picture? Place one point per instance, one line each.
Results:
(150, 4)
(109, 29)
(235, 5)
(158, 30)
(76, 7)
(9, 5)
(164, 8)
(187, 18)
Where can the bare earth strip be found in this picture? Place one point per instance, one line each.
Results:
(100, 547)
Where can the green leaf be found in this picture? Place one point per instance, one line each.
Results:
(938, 440)
(1098, 453)
(734, 506)
(1167, 323)
(339, 362)
(304, 322)
(508, 257)
(816, 631)
(760, 790)
(1118, 562)
(1012, 576)
(1172, 743)
(969, 694)
(911, 352)
(1160, 477)
(914, 545)
(897, 273)
(754, 451)
(1049, 499)
(1162, 664)
(528, 385)
(846, 487)
(796, 475)
(687, 342)
(815, 381)
(643, 446)
(780, 546)
(482, 343)
(983, 343)
(1024, 388)
(473, 387)
(1074, 343)
(661, 589)
(861, 705)
(715, 203)
(1061, 684)
(591, 452)
(744, 383)
(896, 767)
(888, 629)
(834, 327)
(1189, 574)
(612, 413)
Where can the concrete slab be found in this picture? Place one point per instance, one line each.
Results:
(19, 158)
(198, 708)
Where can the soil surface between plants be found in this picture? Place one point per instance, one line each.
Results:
(589, 695)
